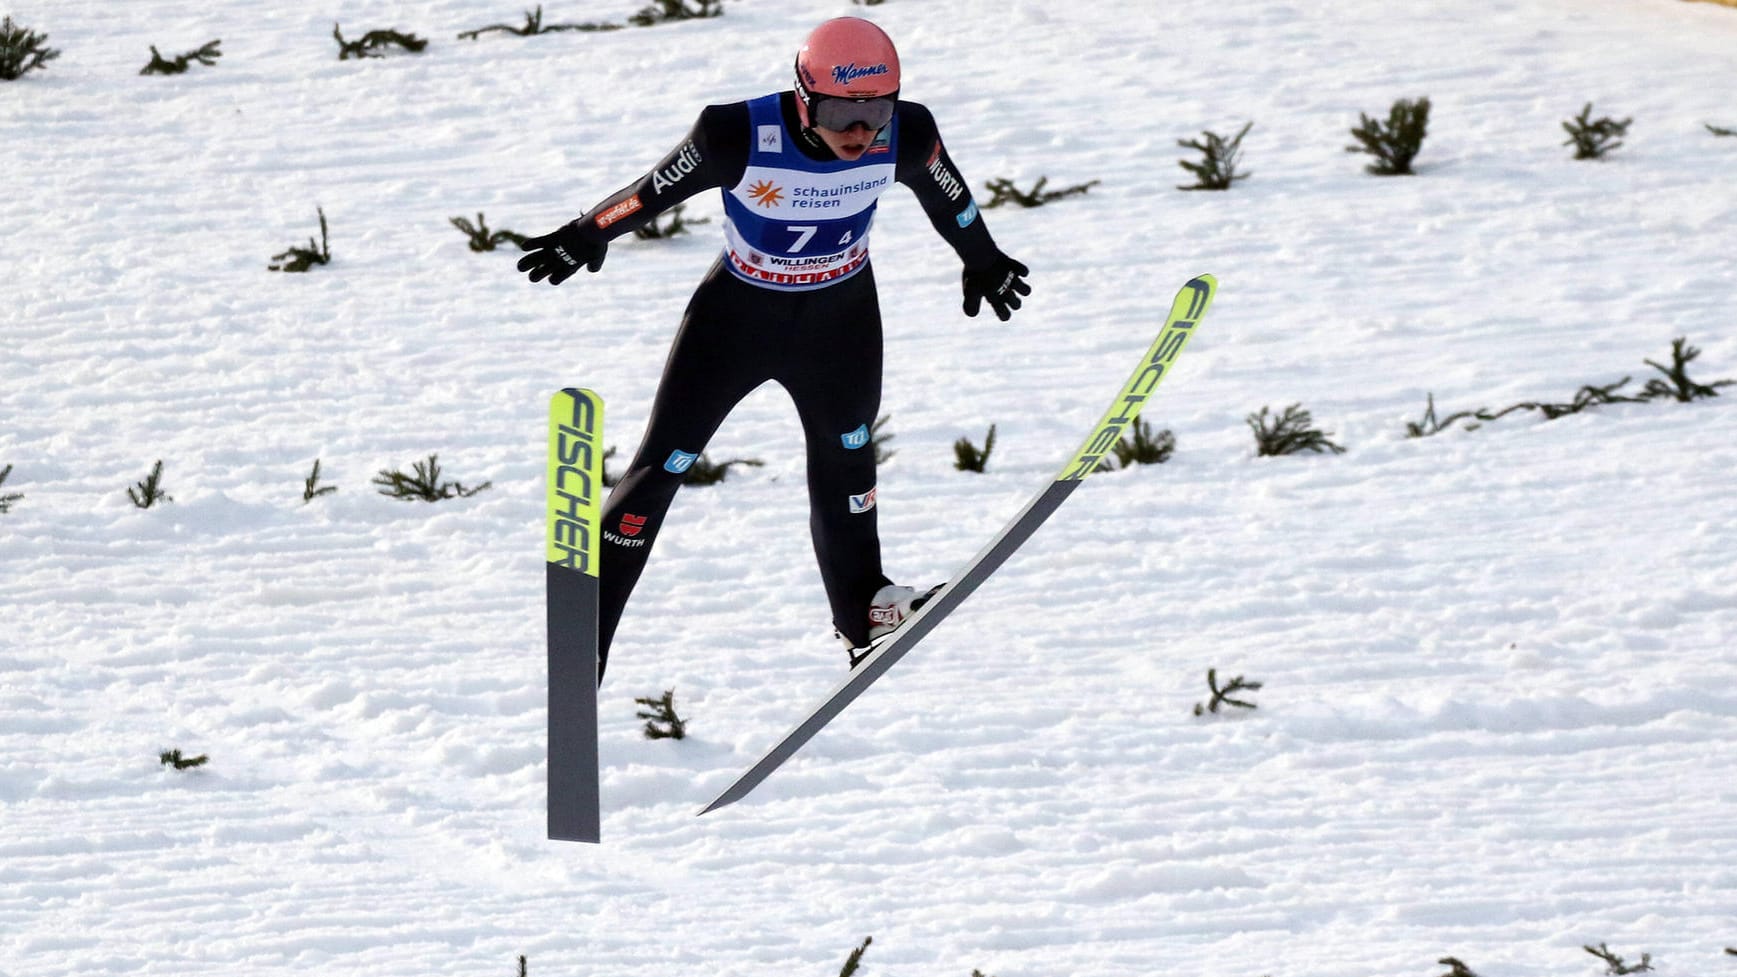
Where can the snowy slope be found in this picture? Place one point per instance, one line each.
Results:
(1497, 720)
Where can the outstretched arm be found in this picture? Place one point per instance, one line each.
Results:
(925, 167)
(713, 155)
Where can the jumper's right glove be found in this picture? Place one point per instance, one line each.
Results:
(557, 255)
(1002, 282)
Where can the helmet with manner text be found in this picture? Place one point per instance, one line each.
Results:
(847, 74)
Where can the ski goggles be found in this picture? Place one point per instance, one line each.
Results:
(839, 113)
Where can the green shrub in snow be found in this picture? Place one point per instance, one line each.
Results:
(1289, 433)
(483, 239)
(312, 489)
(1456, 968)
(533, 26)
(7, 500)
(1592, 138)
(852, 962)
(160, 65)
(21, 50)
(1217, 167)
(660, 228)
(374, 43)
(173, 758)
(663, 11)
(1141, 448)
(967, 458)
(1615, 965)
(1679, 386)
(1396, 142)
(149, 492)
(1221, 695)
(661, 721)
(423, 484)
(878, 440)
(1003, 191)
(301, 259)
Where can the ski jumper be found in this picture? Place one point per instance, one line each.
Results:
(792, 300)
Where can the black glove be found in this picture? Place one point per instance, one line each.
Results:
(1002, 282)
(558, 255)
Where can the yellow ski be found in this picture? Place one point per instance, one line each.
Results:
(571, 548)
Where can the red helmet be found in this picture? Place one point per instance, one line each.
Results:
(847, 73)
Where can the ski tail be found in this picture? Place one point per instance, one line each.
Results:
(572, 543)
(1186, 311)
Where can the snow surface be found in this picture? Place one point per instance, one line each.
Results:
(1499, 713)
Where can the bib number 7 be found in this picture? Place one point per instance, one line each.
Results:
(803, 233)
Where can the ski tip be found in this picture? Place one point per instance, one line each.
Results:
(725, 799)
(580, 393)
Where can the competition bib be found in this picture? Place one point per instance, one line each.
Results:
(793, 223)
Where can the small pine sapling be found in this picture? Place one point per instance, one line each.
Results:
(1592, 138)
(149, 492)
(967, 458)
(10, 498)
(1681, 388)
(1289, 433)
(533, 26)
(1456, 968)
(661, 721)
(1221, 696)
(21, 50)
(706, 472)
(1144, 447)
(660, 228)
(159, 65)
(1587, 396)
(852, 962)
(483, 239)
(1003, 191)
(173, 758)
(878, 440)
(373, 44)
(424, 485)
(1396, 142)
(311, 487)
(1615, 966)
(664, 11)
(298, 259)
(1217, 167)
(1431, 424)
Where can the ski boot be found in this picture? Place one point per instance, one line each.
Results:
(890, 607)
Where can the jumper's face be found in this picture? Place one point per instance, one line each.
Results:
(850, 144)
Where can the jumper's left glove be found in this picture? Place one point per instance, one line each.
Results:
(1002, 282)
